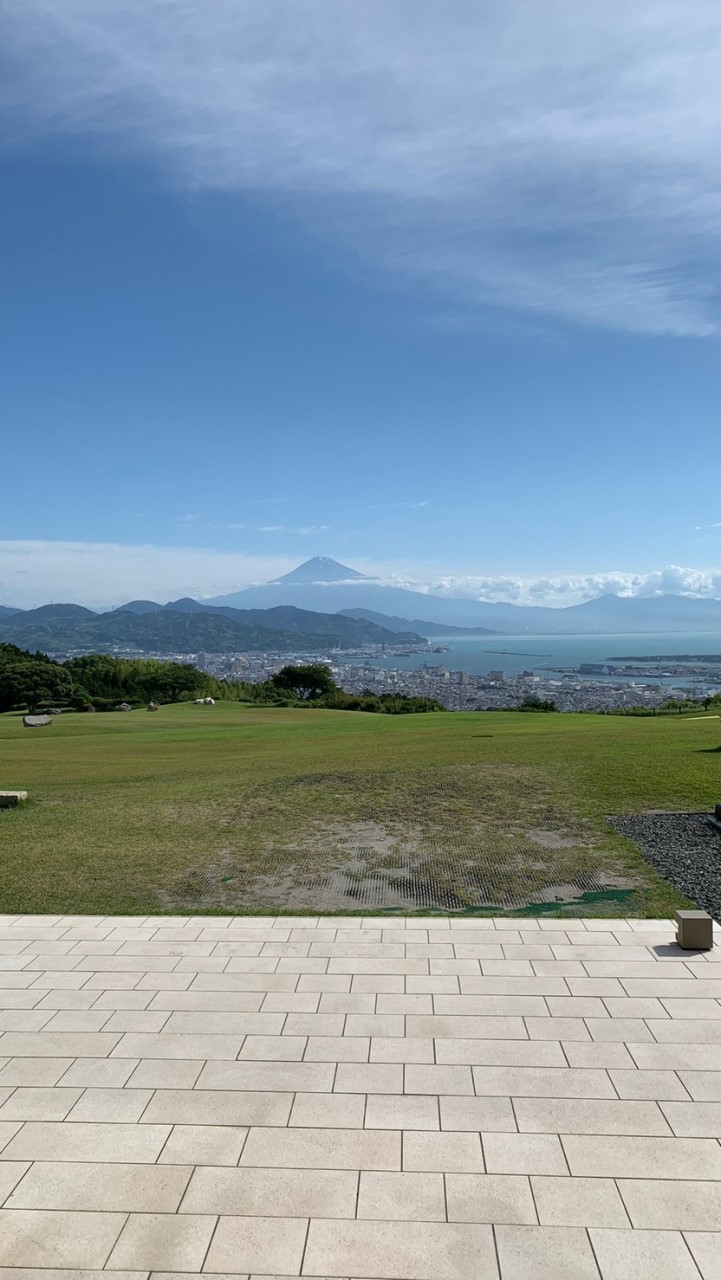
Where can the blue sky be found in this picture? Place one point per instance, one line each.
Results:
(430, 290)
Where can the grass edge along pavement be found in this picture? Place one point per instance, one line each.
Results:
(121, 806)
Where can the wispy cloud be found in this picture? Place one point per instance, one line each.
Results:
(552, 160)
(304, 530)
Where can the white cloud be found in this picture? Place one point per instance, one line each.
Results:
(550, 159)
(99, 574)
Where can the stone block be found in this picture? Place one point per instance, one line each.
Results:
(11, 799)
(694, 930)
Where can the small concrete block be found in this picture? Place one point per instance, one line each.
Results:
(11, 799)
(694, 930)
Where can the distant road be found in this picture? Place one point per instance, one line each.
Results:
(517, 653)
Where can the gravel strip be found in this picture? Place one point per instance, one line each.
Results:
(684, 848)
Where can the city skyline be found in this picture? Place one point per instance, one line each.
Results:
(433, 294)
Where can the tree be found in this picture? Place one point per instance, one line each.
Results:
(537, 704)
(33, 682)
(306, 683)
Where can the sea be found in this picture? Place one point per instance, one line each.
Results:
(542, 654)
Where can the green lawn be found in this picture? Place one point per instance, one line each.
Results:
(233, 808)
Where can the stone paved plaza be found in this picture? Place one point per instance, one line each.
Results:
(403, 1099)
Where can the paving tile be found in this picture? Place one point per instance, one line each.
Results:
(99, 1073)
(558, 1028)
(598, 1055)
(403, 1003)
(337, 1049)
(374, 1077)
(511, 1053)
(400, 1250)
(10, 1174)
(642, 1255)
(203, 1144)
(273, 1049)
(399, 1111)
(401, 1197)
(437, 1079)
(322, 1149)
(213, 1048)
(685, 1030)
(158, 1073)
(461, 1027)
(706, 1249)
(112, 1105)
(447, 1152)
(283, 1193)
(268, 1246)
(658, 1085)
(98, 1187)
(108, 1143)
(542, 1082)
(624, 1157)
(473, 1114)
(676, 1057)
(676, 1205)
(304, 1077)
(400, 1049)
(492, 1198)
(687, 1119)
(524, 1153)
(491, 1005)
(578, 1202)
(162, 1242)
(39, 1104)
(48, 1239)
(33, 1072)
(61, 1044)
(329, 1110)
(545, 1253)
(703, 1086)
(586, 1115)
(222, 1106)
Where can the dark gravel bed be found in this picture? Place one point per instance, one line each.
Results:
(684, 848)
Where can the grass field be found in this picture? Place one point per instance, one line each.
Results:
(238, 808)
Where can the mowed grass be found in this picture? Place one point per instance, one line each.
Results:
(186, 809)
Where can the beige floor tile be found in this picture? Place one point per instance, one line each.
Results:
(672, 1204)
(617, 1157)
(322, 1149)
(438, 1079)
(203, 1144)
(46, 1239)
(193, 1001)
(490, 1005)
(97, 1187)
(706, 1249)
(108, 1143)
(473, 1114)
(337, 1049)
(542, 1082)
(375, 1077)
(545, 1253)
(365, 982)
(659, 1085)
(400, 1250)
(320, 982)
(388, 1025)
(642, 1255)
(446, 1152)
(162, 1242)
(399, 1049)
(273, 1049)
(703, 1086)
(32, 1019)
(401, 1197)
(262, 980)
(61, 1044)
(11, 1171)
(33, 1073)
(637, 1007)
(214, 1048)
(217, 1106)
(598, 1055)
(157, 1073)
(297, 1002)
(225, 1024)
(78, 1020)
(558, 1028)
(328, 1111)
(676, 1008)
(676, 1057)
(110, 999)
(464, 1027)
(685, 1030)
(512, 979)
(578, 1202)
(399, 1111)
(111, 1105)
(424, 984)
(281, 1193)
(303, 1077)
(687, 1119)
(39, 1104)
(586, 1115)
(268, 1246)
(489, 1197)
(404, 1004)
(137, 1020)
(524, 1153)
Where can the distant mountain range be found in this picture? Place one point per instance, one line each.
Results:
(331, 587)
(324, 604)
(187, 626)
